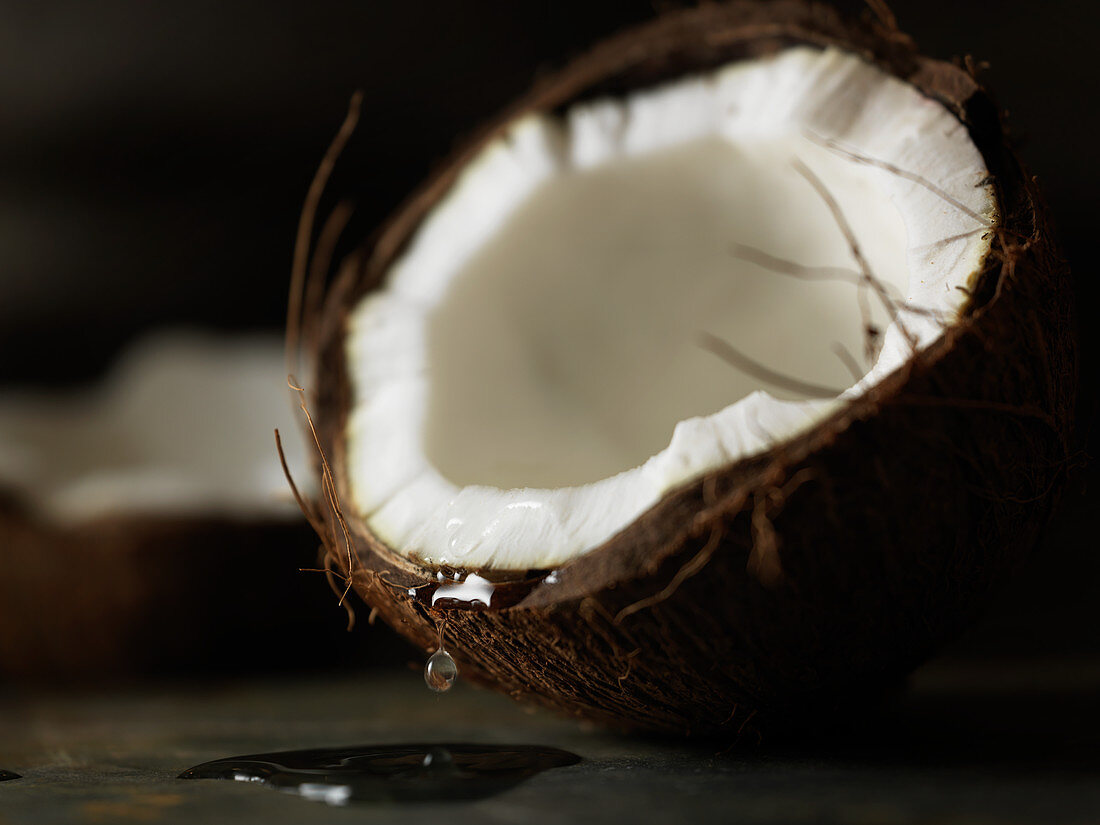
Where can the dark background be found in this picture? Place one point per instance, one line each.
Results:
(154, 156)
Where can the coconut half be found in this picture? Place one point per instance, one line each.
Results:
(144, 521)
(745, 325)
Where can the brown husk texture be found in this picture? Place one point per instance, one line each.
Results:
(133, 595)
(782, 590)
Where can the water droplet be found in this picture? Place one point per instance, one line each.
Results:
(441, 671)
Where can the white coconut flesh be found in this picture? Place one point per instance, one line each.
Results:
(529, 377)
(182, 426)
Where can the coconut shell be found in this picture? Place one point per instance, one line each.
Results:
(784, 589)
(131, 595)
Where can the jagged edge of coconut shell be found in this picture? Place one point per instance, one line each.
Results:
(784, 589)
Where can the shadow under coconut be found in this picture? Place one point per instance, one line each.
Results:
(1039, 718)
(1030, 731)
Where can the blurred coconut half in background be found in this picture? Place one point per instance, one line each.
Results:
(145, 525)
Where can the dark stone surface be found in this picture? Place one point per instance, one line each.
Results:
(990, 743)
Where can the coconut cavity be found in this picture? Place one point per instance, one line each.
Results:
(531, 376)
(181, 426)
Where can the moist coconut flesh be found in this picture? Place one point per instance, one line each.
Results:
(585, 309)
(529, 379)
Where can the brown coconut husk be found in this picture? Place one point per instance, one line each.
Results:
(782, 589)
(134, 595)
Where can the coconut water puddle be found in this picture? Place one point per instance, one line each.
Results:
(390, 773)
(4, 775)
